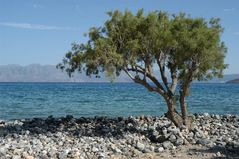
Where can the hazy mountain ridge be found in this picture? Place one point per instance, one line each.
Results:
(49, 73)
(233, 81)
(225, 79)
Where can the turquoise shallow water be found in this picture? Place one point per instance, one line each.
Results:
(27, 100)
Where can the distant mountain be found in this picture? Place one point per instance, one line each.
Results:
(225, 79)
(49, 73)
(233, 81)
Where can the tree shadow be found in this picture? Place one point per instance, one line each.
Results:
(91, 127)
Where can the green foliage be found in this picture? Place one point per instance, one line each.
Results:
(188, 47)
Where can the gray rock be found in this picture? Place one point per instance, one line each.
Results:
(135, 152)
(44, 153)
(101, 156)
(179, 142)
(167, 123)
(206, 115)
(191, 134)
(237, 131)
(3, 150)
(64, 154)
(115, 149)
(94, 149)
(204, 142)
(16, 157)
(167, 145)
(43, 156)
(52, 153)
(167, 135)
(191, 140)
(125, 149)
(146, 150)
(172, 138)
(151, 148)
(218, 154)
(17, 151)
(73, 154)
(155, 133)
(174, 130)
(217, 117)
(165, 131)
(161, 139)
(199, 133)
(160, 149)
(140, 146)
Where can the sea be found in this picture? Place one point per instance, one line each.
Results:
(31, 100)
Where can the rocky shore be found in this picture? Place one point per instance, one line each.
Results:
(131, 137)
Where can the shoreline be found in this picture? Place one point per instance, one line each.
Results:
(213, 136)
(108, 117)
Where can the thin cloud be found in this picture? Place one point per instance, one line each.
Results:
(229, 9)
(34, 26)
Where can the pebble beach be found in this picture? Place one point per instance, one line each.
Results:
(212, 136)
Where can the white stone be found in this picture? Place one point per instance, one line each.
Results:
(140, 146)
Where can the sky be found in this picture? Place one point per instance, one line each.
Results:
(41, 31)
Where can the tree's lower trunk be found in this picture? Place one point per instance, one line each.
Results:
(172, 114)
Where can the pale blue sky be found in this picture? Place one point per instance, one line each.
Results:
(41, 31)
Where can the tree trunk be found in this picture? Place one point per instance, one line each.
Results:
(183, 107)
(187, 121)
(172, 114)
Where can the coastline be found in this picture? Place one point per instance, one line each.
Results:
(213, 136)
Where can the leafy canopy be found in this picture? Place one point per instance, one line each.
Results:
(189, 48)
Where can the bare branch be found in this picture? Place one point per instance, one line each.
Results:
(162, 73)
(140, 81)
(159, 89)
(174, 82)
(161, 64)
(174, 77)
(129, 74)
(147, 85)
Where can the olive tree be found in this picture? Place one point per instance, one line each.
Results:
(179, 47)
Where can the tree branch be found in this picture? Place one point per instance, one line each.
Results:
(189, 78)
(162, 73)
(162, 70)
(150, 76)
(140, 81)
(174, 78)
(129, 74)
(158, 87)
(144, 83)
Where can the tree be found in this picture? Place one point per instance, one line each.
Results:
(139, 44)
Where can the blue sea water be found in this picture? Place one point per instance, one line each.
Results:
(28, 100)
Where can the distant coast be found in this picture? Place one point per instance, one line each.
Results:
(233, 81)
(121, 137)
